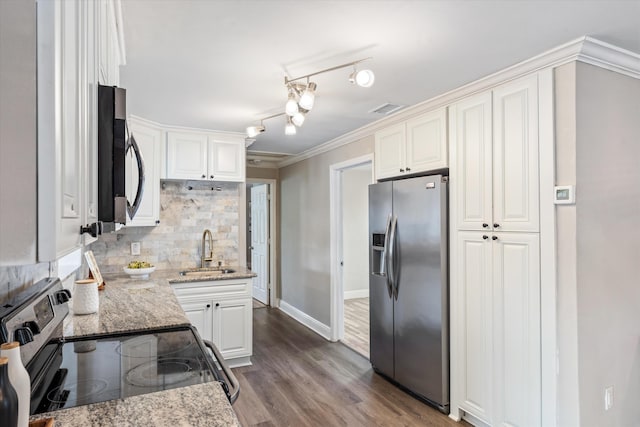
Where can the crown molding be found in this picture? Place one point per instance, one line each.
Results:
(166, 127)
(585, 49)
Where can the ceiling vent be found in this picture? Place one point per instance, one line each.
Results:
(387, 108)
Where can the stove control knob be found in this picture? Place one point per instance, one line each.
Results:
(62, 296)
(33, 326)
(23, 335)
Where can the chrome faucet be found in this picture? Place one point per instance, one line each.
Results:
(206, 236)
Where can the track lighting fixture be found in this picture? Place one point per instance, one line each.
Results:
(301, 97)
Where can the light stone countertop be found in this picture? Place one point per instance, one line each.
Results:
(136, 305)
(128, 304)
(203, 405)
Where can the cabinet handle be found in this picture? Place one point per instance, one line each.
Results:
(217, 304)
(485, 237)
(485, 225)
(208, 305)
(204, 176)
(401, 170)
(408, 169)
(496, 225)
(494, 237)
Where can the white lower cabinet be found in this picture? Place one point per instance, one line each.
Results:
(498, 340)
(222, 312)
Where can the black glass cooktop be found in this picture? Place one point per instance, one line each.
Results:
(83, 371)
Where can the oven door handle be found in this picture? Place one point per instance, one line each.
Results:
(235, 385)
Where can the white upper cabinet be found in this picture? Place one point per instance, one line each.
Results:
(417, 145)
(61, 84)
(186, 155)
(496, 140)
(471, 133)
(515, 156)
(390, 146)
(226, 159)
(427, 142)
(201, 156)
(110, 57)
(150, 140)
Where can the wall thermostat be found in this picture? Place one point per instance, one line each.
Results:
(564, 194)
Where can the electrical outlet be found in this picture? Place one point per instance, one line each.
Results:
(135, 248)
(608, 398)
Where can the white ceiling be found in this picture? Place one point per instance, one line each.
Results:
(220, 64)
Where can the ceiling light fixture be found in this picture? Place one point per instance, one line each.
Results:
(301, 97)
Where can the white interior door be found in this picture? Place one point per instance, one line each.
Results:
(260, 242)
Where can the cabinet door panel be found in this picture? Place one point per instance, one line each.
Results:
(232, 327)
(427, 142)
(200, 315)
(226, 160)
(149, 141)
(186, 155)
(516, 266)
(390, 151)
(473, 164)
(473, 269)
(515, 156)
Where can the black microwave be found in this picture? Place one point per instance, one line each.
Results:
(114, 146)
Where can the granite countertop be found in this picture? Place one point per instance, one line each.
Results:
(128, 304)
(196, 405)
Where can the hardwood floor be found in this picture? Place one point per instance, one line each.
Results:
(300, 379)
(356, 325)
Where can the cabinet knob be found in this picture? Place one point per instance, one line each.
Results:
(157, 221)
(211, 176)
(494, 237)
(208, 305)
(401, 170)
(217, 304)
(408, 169)
(204, 176)
(485, 225)
(485, 237)
(496, 225)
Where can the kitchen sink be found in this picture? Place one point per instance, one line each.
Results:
(204, 272)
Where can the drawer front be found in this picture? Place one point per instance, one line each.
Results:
(213, 289)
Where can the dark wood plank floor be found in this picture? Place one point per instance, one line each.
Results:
(300, 379)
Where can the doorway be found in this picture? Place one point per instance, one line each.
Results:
(350, 252)
(261, 223)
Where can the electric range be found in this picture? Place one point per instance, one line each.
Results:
(72, 372)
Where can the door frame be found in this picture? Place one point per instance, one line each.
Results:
(272, 289)
(335, 210)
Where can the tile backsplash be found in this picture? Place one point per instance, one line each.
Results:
(187, 208)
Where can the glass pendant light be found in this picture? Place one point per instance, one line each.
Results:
(290, 128)
(291, 108)
(298, 118)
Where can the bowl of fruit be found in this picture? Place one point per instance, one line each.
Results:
(139, 269)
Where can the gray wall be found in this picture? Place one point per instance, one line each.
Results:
(305, 274)
(176, 241)
(567, 314)
(18, 143)
(608, 244)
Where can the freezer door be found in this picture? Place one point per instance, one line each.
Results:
(421, 309)
(380, 302)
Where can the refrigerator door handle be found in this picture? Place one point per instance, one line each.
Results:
(391, 271)
(385, 257)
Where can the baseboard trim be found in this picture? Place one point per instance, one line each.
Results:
(358, 293)
(315, 325)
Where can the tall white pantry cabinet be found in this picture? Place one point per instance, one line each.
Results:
(495, 258)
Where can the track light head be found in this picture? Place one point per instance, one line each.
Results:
(363, 78)
(298, 118)
(291, 107)
(308, 96)
(255, 130)
(290, 128)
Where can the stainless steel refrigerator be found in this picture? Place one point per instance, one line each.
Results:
(409, 285)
